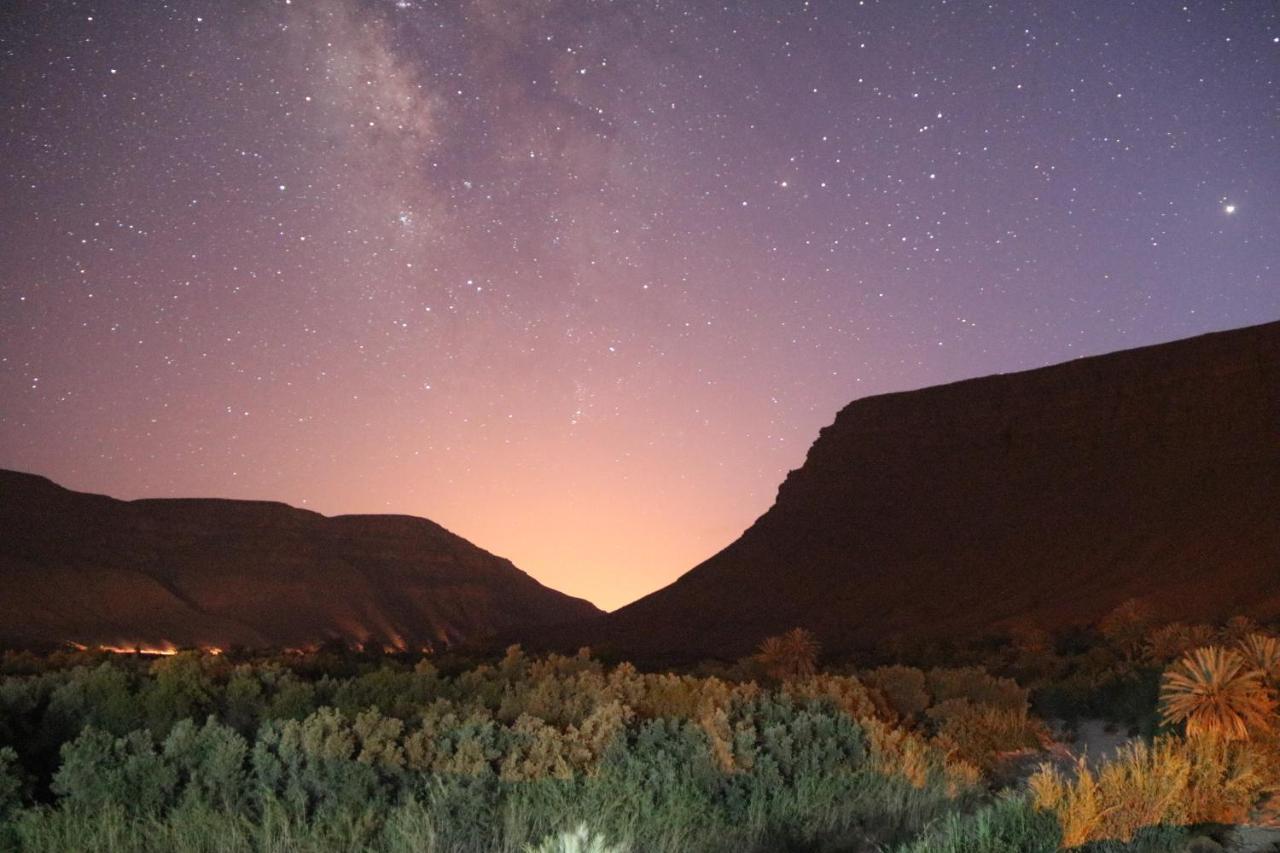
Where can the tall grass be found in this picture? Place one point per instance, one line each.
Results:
(1168, 782)
(1009, 824)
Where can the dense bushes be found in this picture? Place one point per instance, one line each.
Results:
(1171, 781)
(332, 751)
(10, 782)
(501, 755)
(802, 773)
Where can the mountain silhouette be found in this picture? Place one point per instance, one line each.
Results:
(1042, 498)
(90, 569)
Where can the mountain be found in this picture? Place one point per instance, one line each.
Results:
(91, 569)
(1043, 498)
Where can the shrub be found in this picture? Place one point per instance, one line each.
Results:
(100, 770)
(385, 757)
(243, 701)
(579, 840)
(1171, 781)
(179, 689)
(977, 734)
(210, 763)
(977, 686)
(903, 687)
(846, 692)
(11, 782)
(1009, 824)
(101, 697)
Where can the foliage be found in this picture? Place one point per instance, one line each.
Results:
(1167, 643)
(1127, 625)
(11, 783)
(903, 689)
(351, 750)
(1262, 652)
(1010, 823)
(579, 840)
(976, 685)
(1171, 781)
(978, 734)
(1214, 691)
(502, 754)
(790, 655)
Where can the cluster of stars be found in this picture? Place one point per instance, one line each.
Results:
(582, 282)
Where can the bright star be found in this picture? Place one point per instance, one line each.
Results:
(1229, 209)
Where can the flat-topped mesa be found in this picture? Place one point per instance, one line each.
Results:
(161, 573)
(1045, 497)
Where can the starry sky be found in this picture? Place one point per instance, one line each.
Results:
(582, 280)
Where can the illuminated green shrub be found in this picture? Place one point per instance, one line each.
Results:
(210, 762)
(103, 697)
(101, 770)
(178, 690)
(393, 758)
(1009, 824)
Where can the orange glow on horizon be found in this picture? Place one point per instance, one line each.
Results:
(606, 509)
(163, 648)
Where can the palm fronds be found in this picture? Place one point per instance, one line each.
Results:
(1214, 690)
(790, 655)
(1262, 652)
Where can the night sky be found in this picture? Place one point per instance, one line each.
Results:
(581, 281)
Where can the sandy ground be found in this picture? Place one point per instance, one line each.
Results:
(1099, 741)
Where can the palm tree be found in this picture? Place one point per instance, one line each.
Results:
(1170, 642)
(1262, 652)
(1126, 626)
(1215, 691)
(790, 655)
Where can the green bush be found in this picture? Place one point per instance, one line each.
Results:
(11, 782)
(579, 840)
(100, 770)
(1009, 824)
(348, 751)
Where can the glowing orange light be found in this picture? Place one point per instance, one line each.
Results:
(164, 648)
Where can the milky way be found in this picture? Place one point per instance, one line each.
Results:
(581, 281)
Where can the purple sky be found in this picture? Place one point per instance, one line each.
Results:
(581, 281)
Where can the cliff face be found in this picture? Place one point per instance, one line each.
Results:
(91, 569)
(1045, 497)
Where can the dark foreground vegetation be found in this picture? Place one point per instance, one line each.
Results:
(343, 750)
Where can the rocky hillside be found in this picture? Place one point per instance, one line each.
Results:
(1045, 497)
(91, 569)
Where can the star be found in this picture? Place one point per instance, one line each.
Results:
(703, 211)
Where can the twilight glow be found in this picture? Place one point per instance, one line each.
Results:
(581, 281)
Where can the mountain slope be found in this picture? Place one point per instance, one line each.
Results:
(92, 569)
(1045, 497)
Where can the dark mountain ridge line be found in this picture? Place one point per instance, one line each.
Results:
(1042, 497)
(92, 569)
(1039, 497)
